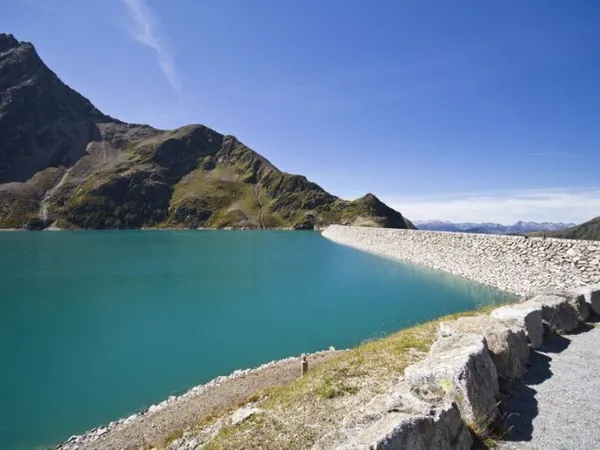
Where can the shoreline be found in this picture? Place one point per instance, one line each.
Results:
(159, 229)
(104, 432)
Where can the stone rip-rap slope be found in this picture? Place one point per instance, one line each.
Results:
(512, 263)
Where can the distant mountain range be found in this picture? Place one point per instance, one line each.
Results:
(492, 228)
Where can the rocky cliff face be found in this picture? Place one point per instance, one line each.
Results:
(62, 161)
(43, 123)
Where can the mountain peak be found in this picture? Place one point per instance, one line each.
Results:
(370, 199)
(23, 51)
(55, 122)
(7, 42)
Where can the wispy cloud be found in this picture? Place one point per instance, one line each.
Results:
(147, 30)
(548, 205)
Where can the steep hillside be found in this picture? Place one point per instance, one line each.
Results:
(62, 161)
(589, 230)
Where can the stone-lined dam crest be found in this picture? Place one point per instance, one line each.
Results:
(515, 264)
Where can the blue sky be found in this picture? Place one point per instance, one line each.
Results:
(461, 110)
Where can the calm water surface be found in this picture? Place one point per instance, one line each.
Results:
(96, 325)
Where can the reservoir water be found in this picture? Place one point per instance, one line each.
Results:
(95, 325)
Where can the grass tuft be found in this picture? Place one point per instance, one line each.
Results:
(333, 388)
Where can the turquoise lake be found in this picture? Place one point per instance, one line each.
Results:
(95, 325)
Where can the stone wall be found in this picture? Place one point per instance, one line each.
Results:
(511, 263)
(457, 387)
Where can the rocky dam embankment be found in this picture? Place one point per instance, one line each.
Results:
(459, 381)
(512, 263)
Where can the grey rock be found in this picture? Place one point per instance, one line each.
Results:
(528, 318)
(575, 298)
(591, 295)
(459, 368)
(401, 399)
(381, 428)
(577, 301)
(557, 312)
(243, 414)
(507, 343)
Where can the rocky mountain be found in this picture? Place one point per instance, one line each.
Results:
(491, 228)
(589, 230)
(64, 162)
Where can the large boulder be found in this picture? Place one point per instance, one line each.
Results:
(575, 298)
(459, 368)
(591, 295)
(577, 301)
(402, 421)
(558, 313)
(507, 343)
(528, 318)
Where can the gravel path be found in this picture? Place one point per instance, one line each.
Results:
(189, 411)
(557, 405)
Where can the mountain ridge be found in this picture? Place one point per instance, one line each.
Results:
(63, 161)
(491, 227)
(589, 230)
